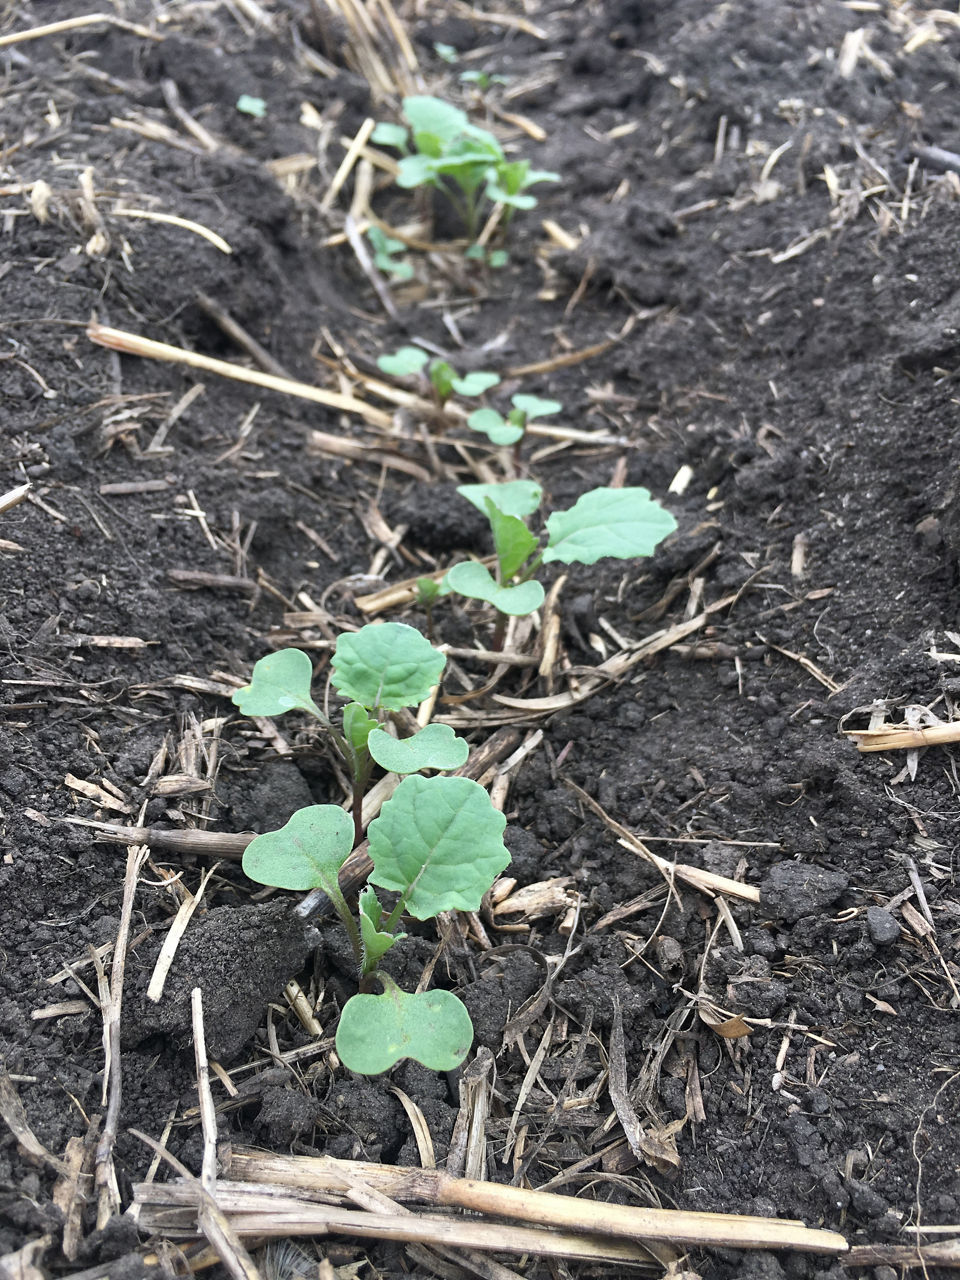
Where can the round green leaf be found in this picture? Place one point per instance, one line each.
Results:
(533, 407)
(514, 497)
(490, 423)
(439, 843)
(306, 853)
(280, 682)
(475, 384)
(474, 580)
(402, 362)
(432, 1027)
(620, 523)
(388, 665)
(434, 747)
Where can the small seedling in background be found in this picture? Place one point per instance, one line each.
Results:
(437, 843)
(495, 258)
(443, 377)
(465, 163)
(427, 592)
(482, 79)
(385, 251)
(618, 523)
(510, 430)
(250, 106)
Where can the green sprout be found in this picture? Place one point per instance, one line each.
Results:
(495, 258)
(482, 79)
(385, 251)
(617, 523)
(251, 106)
(437, 843)
(443, 150)
(442, 376)
(511, 429)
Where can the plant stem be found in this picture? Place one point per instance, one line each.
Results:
(499, 632)
(362, 769)
(339, 904)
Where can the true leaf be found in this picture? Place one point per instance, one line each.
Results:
(389, 665)
(435, 747)
(433, 115)
(306, 853)
(357, 725)
(279, 682)
(513, 498)
(474, 580)
(429, 590)
(416, 171)
(474, 384)
(497, 429)
(375, 943)
(432, 1027)
(442, 375)
(621, 523)
(512, 540)
(533, 407)
(438, 842)
(405, 361)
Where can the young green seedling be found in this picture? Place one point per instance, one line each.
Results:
(511, 429)
(617, 523)
(443, 377)
(438, 845)
(464, 162)
(385, 254)
(380, 669)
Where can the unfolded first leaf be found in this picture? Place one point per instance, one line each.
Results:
(439, 843)
(620, 523)
(386, 665)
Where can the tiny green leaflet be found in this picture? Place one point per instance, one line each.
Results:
(375, 943)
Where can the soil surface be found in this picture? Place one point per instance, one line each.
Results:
(761, 308)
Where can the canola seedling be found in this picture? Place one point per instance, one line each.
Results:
(441, 149)
(437, 843)
(621, 524)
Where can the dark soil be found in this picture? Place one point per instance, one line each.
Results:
(782, 274)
